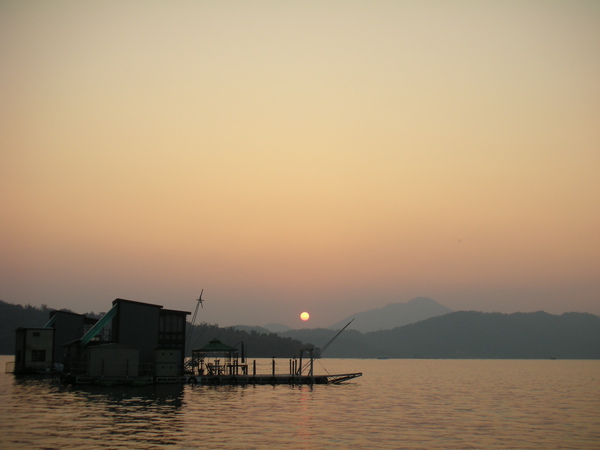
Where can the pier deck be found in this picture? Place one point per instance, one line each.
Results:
(214, 380)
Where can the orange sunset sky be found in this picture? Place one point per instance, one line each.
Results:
(320, 156)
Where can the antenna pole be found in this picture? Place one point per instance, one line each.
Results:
(189, 333)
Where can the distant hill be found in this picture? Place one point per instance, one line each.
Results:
(469, 334)
(394, 315)
(462, 334)
(349, 344)
(257, 344)
(277, 327)
(250, 328)
(268, 328)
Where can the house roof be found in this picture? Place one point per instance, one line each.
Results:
(122, 300)
(162, 309)
(174, 311)
(216, 346)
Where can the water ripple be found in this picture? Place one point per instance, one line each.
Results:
(396, 404)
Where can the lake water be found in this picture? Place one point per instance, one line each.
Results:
(396, 404)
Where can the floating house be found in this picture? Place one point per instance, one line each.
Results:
(142, 343)
(133, 339)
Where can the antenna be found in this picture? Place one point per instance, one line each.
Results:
(189, 333)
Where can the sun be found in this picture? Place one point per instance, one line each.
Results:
(305, 316)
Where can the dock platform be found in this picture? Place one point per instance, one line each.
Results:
(213, 380)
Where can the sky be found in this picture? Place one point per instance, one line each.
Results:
(322, 156)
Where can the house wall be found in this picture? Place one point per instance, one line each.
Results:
(68, 328)
(113, 361)
(169, 362)
(136, 325)
(171, 330)
(171, 342)
(34, 349)
(20, 349)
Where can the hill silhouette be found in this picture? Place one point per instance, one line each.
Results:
(461, 334)
(394, 315)
(470, 334)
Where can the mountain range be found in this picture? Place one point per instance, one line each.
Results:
(423, 328)
(393, 315)
(470, 334)
(460, 335)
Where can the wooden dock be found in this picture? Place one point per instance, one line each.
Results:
(213, 380)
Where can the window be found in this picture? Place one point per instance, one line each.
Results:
(171, 328)
(36, 334)
(38, 355)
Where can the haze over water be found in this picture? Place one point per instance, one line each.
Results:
(396, 404)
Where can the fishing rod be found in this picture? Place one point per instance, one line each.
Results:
(320, 352)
